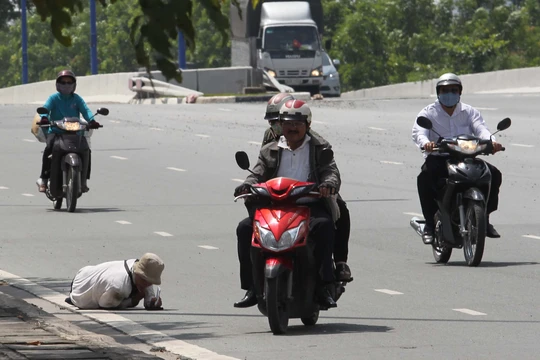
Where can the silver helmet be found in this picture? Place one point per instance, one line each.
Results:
(448, 79)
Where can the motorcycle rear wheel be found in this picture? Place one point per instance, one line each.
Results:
(474, 241)
(441, 253)
(276, 306)
(72, 191)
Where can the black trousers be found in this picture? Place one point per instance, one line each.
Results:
(343, 231)
(321, 231)
(433, 171)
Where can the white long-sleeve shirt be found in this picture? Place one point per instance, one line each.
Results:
(106, 285)
(464, 120)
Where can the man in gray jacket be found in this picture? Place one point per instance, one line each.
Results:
(296, 155)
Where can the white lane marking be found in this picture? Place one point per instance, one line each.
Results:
(162, 233)
(175, 169)
(208, 247)
(376, 128)
(523, 145)
(123, 222)
(389, 292)
(486, 108)
(29, 140)
(469, 312)
(413, 214)
(27, 195)
(238, 180)
(223, 109)
(115, 121)
(3, 188)
(532, 236)
(391, 162)
(202, 135)
(255, 142)
(318, 122)
(131, 328)
(154, 128)
(118, 157)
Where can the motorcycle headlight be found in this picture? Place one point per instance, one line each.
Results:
(467, 146)
(72, 126)
(287, 240)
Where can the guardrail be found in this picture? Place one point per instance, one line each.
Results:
(146, 88)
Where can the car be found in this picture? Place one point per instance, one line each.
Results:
(330, 85)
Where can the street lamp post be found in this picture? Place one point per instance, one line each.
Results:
(93, 38)
(181, 50)
(24, 43)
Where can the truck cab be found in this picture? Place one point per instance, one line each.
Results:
(289, 45)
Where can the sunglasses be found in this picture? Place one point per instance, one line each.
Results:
(66, 82)
(290, 123)
(450, 90)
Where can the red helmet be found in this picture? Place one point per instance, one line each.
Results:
(275, 104)
(66, 89)
(295, 110)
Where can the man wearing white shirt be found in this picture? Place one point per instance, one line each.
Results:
(295, 156)
(118, 284)
(450, 118)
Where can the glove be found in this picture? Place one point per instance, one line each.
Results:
(94, 125)
(44, 121)
(327, 190)
(242, 189)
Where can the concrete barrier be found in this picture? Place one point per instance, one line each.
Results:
(504, 81)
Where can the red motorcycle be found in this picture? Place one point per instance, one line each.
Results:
(284, 270)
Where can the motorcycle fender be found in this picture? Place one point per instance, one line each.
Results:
(72, 160)
(274, 267)
(474, 194)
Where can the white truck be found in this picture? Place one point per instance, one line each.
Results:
(289, 45)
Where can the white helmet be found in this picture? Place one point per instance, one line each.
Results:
(275, 104)
(448, 79)
(295, 110)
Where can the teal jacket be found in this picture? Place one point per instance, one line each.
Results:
(61, 106)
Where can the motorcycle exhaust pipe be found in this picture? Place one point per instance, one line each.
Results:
(418, 225)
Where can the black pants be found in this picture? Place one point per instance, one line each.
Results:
(343, 231)
(433, 171)
(46, 161)
(321, 231)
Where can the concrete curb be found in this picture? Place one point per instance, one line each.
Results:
(305, 96)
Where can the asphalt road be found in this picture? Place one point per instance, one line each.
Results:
(162, 181)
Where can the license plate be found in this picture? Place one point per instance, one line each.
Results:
(294, 81)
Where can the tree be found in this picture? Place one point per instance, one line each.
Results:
(7, 12)
(152, 33)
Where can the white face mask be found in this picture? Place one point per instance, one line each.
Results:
(449, 99)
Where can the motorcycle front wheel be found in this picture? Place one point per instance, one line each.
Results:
(72, 190)
(276, 305)
(474, 240)
(441, 253)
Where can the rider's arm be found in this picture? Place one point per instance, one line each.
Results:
(49, 105)
(84, 109)
(420, 136)
(259, 170)
(329, 174)
(478, 125)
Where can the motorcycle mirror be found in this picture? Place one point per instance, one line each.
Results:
(326, 157)
(42, 111)
(504, 124)
(103, 111)
(242, 160)
(424, 122)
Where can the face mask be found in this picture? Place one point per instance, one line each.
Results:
(449, 99)
(276, 128)
(65, 89)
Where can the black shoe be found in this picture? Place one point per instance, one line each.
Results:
(325, 299)
(343, 272)
(491, 232)
(68, 300)
(250, 299)
(428, 235)
(85, 189)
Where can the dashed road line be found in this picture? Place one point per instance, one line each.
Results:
(118, 322)
(29, 140)
(155, 128)
(176, 169)
(202, 135)
(223, 109)
(118, 157)
(523, 145)
(486, 108)
(318, 122)
(208, 247)
(413, 214)
(27, 195)
(238, 180)
(389, 292)
(532, 237)
(376, 128)
(123, 222)
(470, 312)
(4, 188)
(391, 162)
(162, 233)
(114, 121)
(254, 142)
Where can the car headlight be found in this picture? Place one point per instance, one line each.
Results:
(333, 75)
(287, 240)
(316, 72)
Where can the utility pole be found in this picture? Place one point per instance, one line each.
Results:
(24, 43)
(93, 38)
